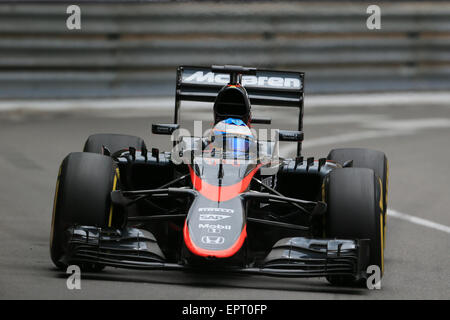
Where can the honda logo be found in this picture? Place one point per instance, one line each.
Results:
(213, 240)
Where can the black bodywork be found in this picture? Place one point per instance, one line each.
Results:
(167, 215)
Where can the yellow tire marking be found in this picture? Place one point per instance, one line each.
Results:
(381, 225)
(386, 200)
(118, 173)
(54, 207)
(382, 243)
(387, 181)
(381, 194)
(113, 189)
(323, 191)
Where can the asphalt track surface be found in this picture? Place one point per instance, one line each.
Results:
(416, 139)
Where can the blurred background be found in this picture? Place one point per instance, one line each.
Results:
(386, 89)
(132, 49)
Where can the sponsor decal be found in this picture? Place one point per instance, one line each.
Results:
(214, 228)
(225, 210)
(247, 80)
(213, 240)
(212, 217)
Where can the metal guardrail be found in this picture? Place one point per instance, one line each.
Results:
(133, 49)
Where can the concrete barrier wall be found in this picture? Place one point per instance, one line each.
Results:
(133, 49)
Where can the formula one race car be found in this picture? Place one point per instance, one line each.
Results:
(226, 200)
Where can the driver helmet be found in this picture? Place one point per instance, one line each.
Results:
(236, 135)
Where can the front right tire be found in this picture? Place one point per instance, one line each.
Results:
(355, 211)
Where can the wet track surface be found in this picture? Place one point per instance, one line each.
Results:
(417, 258)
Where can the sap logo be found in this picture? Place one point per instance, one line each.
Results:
(212, 217)
(213, 240)
(225, 210)
(255, 81)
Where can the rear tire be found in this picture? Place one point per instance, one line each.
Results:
(114, 142)
(82, 196)
(353, 197)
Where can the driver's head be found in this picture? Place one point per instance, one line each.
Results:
(232, 135)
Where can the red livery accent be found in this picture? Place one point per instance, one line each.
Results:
(218, 193)
(214, 253)
(221, 193)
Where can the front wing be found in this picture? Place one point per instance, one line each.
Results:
(290, 257)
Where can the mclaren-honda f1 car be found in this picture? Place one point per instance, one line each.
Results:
(223, 201)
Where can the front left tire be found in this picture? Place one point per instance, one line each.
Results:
(83, 197)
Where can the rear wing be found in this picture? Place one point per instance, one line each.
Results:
(264, 87)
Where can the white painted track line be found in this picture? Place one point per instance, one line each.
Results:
(423, 99)
(416, 220)
(384, 128)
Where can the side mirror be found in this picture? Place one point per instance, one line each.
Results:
(290, 135)
(261, 120)
(348, 164)
(163, 128)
